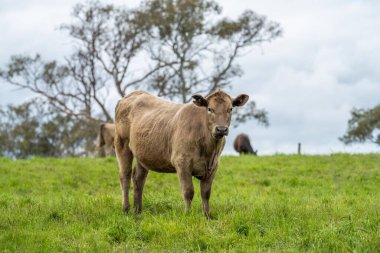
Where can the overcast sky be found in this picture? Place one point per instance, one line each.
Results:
(326, 63)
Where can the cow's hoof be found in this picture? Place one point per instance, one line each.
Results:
(126, 209)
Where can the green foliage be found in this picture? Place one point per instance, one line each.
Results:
(363, 126)
(199, 46)
(36, 129)
(268, 204)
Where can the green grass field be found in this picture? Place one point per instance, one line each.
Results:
(269, 204)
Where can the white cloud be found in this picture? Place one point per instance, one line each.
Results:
(310, 79)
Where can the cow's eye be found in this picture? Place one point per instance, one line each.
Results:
(210, 110)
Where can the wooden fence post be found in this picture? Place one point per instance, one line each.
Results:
(299, 148)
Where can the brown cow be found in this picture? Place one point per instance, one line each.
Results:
(106, 138)
(242, 145)
(186, 139)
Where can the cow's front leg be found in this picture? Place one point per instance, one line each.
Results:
(186, 182)
(205, 194)
(206, 184)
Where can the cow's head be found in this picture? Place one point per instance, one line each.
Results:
(219, 110)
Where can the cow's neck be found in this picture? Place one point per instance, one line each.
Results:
(213, 159)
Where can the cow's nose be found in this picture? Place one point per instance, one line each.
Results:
(221, 130)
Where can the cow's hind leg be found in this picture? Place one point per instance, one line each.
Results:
(139, 177)
(125, 158)
(108, 150)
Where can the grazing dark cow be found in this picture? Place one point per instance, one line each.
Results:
(242, 145)
(162, 136)
(106, 138)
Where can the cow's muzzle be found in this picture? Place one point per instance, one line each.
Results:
(220, 132)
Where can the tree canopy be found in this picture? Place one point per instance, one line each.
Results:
(35, 128)
(364, 125)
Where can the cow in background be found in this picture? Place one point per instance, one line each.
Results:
(242, 145)
(106, 136)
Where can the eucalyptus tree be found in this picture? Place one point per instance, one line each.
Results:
(363, 126)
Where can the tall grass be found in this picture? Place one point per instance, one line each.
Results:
(271, 204)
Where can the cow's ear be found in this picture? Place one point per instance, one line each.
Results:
(199, 100)
(240, 100)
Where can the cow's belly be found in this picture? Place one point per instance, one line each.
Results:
(155, 162)
(158, 165)
(151, 153)
(168, 169)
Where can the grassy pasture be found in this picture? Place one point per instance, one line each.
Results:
(275, 203)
